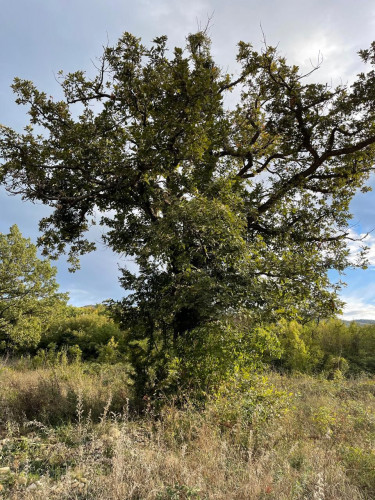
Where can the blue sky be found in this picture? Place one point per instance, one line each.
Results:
(40, 37)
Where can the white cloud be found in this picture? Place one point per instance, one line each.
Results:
(358, 242)
(360, 300)
(357, 308)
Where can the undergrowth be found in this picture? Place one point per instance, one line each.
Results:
(70, 433)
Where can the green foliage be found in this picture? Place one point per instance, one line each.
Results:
(204, 357)
(330, 346)
(28, 293)
(247, 400)
(347, 348)
(361, 353)
(54, 357)
(323, 420)
(109, 353)
(360, 465)
(223, 210)
(209, 355)
(91, 330)
(295, 356)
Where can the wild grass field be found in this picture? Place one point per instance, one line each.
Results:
(70, 432)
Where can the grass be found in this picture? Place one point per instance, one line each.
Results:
(66, 433)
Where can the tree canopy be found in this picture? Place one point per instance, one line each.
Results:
(241, 209)
(28, 292)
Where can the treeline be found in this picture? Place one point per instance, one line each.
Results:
(331, 347)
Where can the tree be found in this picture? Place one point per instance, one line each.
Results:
(225, 211)
(28, 292)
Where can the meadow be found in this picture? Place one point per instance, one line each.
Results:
(70, 431)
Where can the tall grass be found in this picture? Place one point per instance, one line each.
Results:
(50, 395)
(283, 439)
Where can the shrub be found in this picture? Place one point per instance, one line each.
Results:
(295, 355)
(247, 399)
(52, 356)
(214, 353)
(90, 330)
(360, 465)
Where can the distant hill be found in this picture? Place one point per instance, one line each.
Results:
(360, 321)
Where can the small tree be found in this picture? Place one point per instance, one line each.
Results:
(28, 292)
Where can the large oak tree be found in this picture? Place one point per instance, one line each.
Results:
(224, 210)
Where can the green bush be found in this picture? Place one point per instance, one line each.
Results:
(110, 353)
(91, 330)
(247, 399)
(295, 355)
(212, 354)
(52, 356)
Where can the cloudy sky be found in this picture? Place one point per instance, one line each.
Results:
(40, 37)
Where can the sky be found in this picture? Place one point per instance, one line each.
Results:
(40, 37)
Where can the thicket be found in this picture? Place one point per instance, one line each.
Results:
(331, 347)
(89, 332)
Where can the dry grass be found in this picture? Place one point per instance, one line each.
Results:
(321, 448)
(50, 395)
